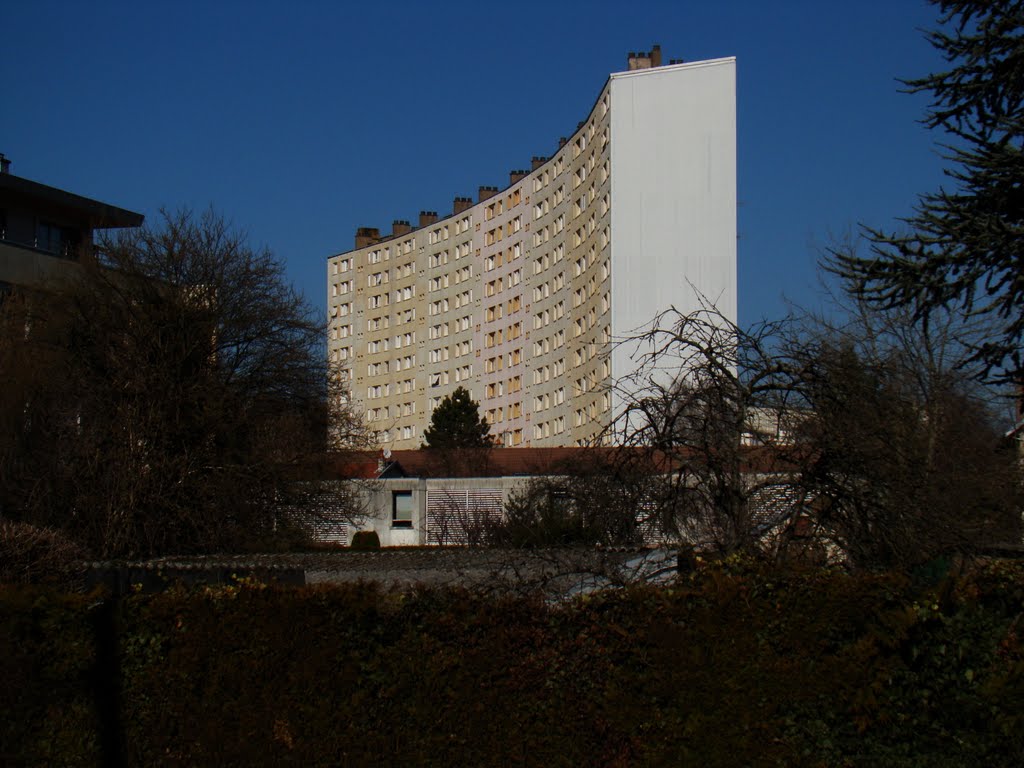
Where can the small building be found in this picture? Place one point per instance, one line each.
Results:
(431, 497)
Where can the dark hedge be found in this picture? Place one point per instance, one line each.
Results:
(731, 666)
(48, 677)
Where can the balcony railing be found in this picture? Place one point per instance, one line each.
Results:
(61, 250)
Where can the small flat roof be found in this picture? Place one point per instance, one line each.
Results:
(98, 215)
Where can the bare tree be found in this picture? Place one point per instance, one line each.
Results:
(456, 517)
(905, 459)
(169, 400)
(597, 498)
(708, 408)
(868, 435)
(33, 555)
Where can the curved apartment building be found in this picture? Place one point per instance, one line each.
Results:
(519, 296)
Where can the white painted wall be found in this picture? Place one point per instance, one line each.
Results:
(673, 194)
(379, 501)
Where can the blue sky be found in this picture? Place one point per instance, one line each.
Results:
(300, 121)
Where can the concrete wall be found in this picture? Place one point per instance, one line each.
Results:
(673, 154)
(379, 500)
(32, 268)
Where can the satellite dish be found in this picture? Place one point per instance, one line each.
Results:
(387, 453)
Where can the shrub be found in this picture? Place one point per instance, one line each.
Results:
(34, 555)
(48, 657)
(543, 514)
(365, 540)
(733, 664)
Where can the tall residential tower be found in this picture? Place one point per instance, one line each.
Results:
(519, 295)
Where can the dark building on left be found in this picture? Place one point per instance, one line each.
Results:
(45, 232)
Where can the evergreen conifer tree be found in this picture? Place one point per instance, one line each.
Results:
(965, 248)
(456, 423)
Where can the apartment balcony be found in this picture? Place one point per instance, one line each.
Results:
(32, 263)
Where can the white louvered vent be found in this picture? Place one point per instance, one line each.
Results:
(461, 516)
(321, 519)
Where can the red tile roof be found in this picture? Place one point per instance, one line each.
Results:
(505, 462)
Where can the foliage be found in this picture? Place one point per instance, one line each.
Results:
(31, 555)
(365, 540)
(594, 500)
(166, 400)
(733, 665)
(47, 662)
(456, 423)
(903, 463)
(543, 514)
(965, 244)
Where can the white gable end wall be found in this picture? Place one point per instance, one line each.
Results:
(673, 194)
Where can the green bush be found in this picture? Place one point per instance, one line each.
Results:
(365, 540)
(544, 514)
(732, 665)
(47, 664)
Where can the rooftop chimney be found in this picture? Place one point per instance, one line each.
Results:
(486, 192)
(537, 162)
(645, 59)
(367, 236)
(5, 164)
(427, 218)
(462, 204)
(561, 141)
(514, 176)
(400, 227)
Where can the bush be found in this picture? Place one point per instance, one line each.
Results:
(542, 514)
(48, 667)
(365, 540)
(33, 555)
(732, 665)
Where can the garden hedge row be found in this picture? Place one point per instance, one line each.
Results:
(731, 666)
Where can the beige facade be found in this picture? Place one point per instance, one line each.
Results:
(509, 296)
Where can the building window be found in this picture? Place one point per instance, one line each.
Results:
(401, 509)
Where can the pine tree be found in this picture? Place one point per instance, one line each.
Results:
(965, 249)
(456, 423)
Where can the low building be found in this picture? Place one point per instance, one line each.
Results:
(431, 497)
